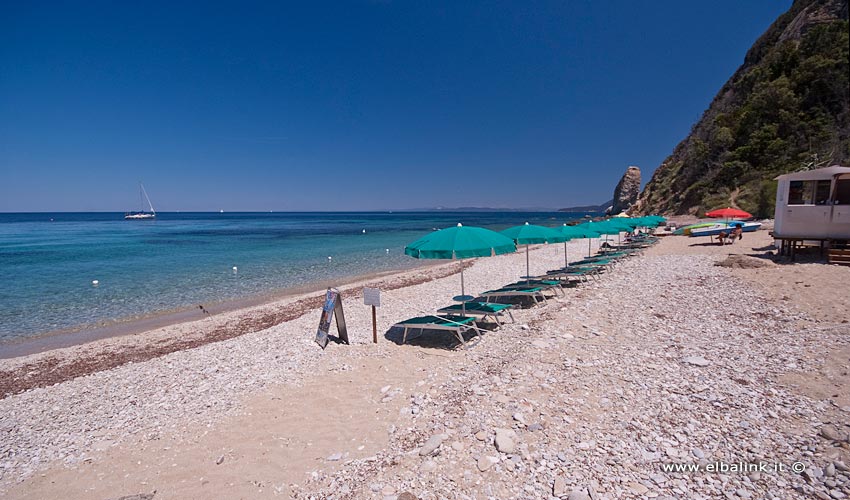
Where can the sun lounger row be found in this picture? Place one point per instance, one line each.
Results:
(461, 318)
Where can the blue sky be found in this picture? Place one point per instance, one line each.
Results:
(356, 105)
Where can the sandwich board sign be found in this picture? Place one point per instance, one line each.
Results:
(331, 309)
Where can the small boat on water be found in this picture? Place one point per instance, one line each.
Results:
(142, 214)
(717, 228)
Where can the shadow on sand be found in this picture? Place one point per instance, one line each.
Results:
(709, 244)
(800, 258)
(437, 339)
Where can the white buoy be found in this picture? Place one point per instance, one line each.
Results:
(95, 282)
(364, 231)
(388, 250)
(235, 269)
(329, 257)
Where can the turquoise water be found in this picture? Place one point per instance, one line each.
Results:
(48, 261)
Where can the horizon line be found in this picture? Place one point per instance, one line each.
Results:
(451, 209)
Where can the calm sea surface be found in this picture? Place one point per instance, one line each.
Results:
(48, 261)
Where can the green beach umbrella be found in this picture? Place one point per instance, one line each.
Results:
(623, 224)
(579, 231)
(652, 221)
(600, 228)
(460, 242)
(583, 232)
(572, 233)
(645, 222)
(603, 227)
(530, 234)
(648, 221)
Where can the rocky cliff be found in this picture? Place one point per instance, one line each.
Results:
(627, 191)
(786, 108)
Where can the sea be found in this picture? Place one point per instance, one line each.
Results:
(67, 272)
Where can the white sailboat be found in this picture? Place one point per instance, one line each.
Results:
(143, 195)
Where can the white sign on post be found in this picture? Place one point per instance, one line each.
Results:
(372, 297)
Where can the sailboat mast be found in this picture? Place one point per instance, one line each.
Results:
(147, 198)
(141, 214)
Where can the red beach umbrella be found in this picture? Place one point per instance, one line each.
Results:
(729, 213)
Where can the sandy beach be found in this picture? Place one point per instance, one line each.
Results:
(668, 360)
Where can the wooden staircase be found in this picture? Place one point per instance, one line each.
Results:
(839, 252)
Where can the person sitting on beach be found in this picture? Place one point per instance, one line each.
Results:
(722, 237)
(737, 233)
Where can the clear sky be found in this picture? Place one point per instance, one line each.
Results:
(354, 105)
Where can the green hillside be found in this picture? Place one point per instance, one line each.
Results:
(787, 108)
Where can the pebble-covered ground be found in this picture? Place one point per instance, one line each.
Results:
(70, 422)
(666, 362)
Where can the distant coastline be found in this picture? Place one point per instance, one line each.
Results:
(599, 209)
(478, 209)
(371, 211)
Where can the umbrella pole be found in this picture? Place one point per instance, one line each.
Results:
(527, 272)
(588, 246)
(566, 260)
(462, 292)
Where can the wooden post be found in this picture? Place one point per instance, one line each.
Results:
(374, 327)
(372, 297)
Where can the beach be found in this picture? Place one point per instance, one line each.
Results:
(73, 276)
(666, 361)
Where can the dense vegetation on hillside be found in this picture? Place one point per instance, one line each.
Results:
(787, 108)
